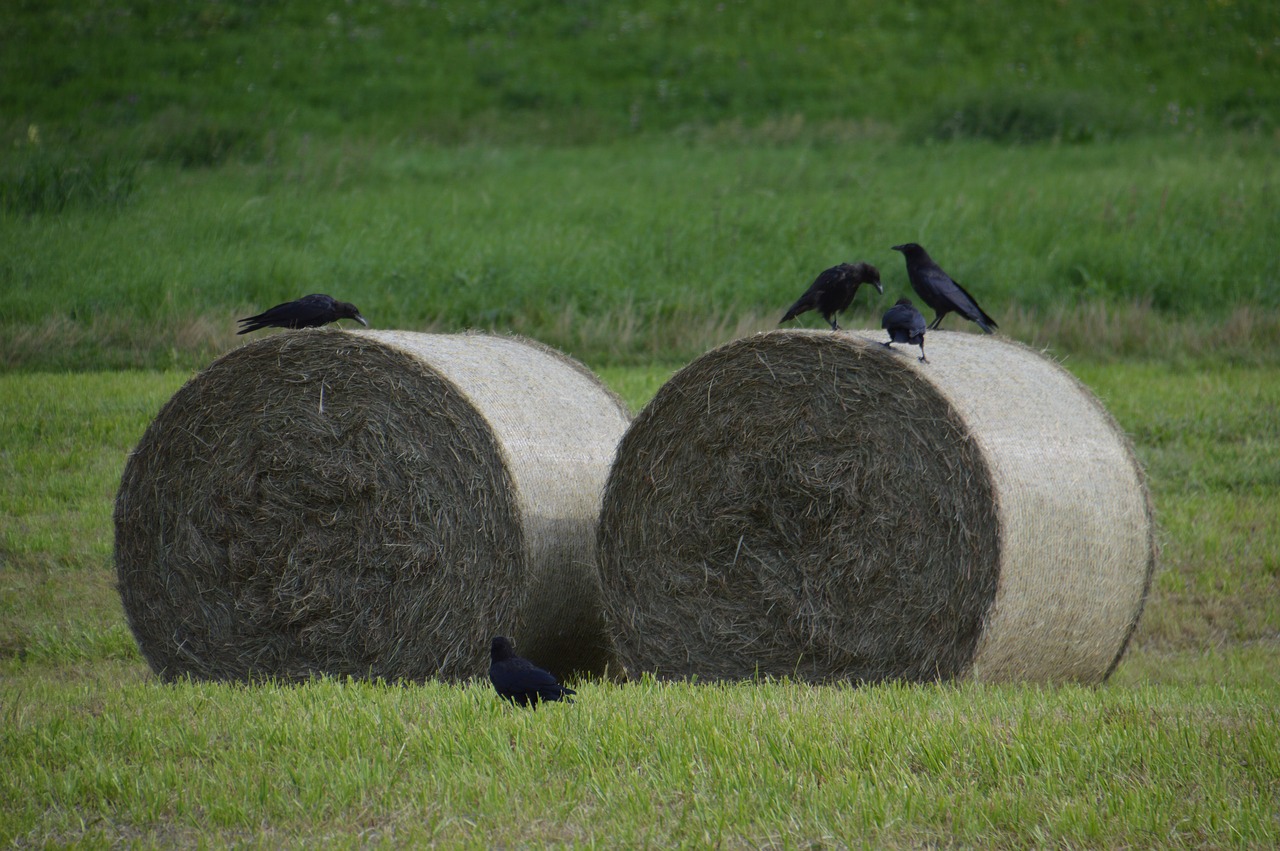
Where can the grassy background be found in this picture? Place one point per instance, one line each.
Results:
(198, 80)
(648, 250)
(633, 183)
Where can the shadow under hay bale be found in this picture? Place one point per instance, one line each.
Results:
(814, 505)
(374, 504)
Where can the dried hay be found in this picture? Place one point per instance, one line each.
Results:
(374, 504)
(810, 504)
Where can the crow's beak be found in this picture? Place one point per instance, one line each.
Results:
(879, 287)
(361, 320)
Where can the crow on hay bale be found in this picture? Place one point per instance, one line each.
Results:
(939, 290)
(310, 311)
(518, 680)
(905, 324)
(833, 291)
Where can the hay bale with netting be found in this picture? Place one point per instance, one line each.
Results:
(814, 505)
(373, 504)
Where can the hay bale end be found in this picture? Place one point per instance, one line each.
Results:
(374, 504)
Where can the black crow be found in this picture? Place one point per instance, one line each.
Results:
(938, 291)
(310, 311)
(905, 324)
(834, 289)
(520, 681)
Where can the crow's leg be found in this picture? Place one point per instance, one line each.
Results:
(937, 320)
(923, 359)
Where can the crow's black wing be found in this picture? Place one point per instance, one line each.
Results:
(838, 290)
(830, 292)
(934, 286)
(519, 679)
(812, 296)
(555, 692)
(835, 278)
(805, 303)
(967, 306)
(903, 322)
(307, 312)
(942, 293)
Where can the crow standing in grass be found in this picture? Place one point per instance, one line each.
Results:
(520, 681)
(310, 311)
(937, 290)
(834, 289)
(905, 324)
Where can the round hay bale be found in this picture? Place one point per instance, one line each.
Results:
(373, 504)
(814, 505)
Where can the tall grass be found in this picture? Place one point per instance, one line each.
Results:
(50, 181)
(626, 182)
(650, 250)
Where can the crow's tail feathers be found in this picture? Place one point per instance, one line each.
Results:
(557, 692)
(795, 310)
(985, 322)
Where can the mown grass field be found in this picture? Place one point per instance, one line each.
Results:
(635, 183)
(1181, 748)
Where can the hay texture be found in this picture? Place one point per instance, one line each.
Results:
(374, 504)
(811, 504)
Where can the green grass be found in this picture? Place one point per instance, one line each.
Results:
(48, 181)
(646, 764)
(66, 440)
(657, 250)
(634, 184)
(235, 78)
(1178, 749)
(1211, 445)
